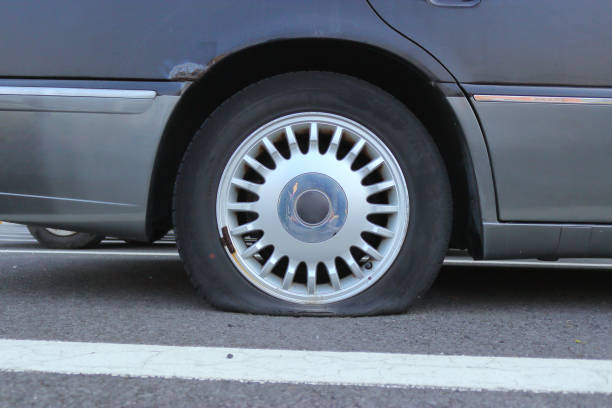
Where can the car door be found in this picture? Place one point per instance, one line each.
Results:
(539, 75)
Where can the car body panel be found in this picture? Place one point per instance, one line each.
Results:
(81, 163)
(177, 39)
(549, 159)
(546, 241)
(520, 42)
(477, 151)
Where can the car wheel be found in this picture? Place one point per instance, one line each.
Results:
(62, 239)
(312, 193)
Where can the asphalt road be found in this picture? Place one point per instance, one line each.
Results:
(123, 294)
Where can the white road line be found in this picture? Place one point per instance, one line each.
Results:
(87, 252)
(309, 367)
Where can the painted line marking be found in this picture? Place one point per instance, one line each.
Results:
(309, 367)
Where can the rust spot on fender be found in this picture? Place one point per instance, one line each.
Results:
(187, 71)
(215, 60)
(191, 71)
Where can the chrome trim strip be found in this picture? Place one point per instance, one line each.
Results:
(77, 92)
(543, 99)
(589, 263)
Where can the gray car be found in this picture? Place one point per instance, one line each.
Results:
(313, 157)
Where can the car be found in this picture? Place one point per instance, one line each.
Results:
(55, 238)
(314, 158)
(61, 239)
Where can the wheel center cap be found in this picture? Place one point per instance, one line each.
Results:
(312, 207)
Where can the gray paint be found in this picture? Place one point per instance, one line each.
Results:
(479, 156)
(69, 165)
(550, 161)
(546, 241)
(556, 42)
(116, 39)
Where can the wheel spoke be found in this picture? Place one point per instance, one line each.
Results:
(379, 187)
(269, 265)
(370, 167)
(353, 266)
(289, 274)
(334, 279)
(272, 151)
(313, 139)
(370, 251)
(311, 278)
(257, 166)
(246, 185)
(335, 142)
(291, 141)
(253, 249)
(244, 207)
(355, 150)
(378, 230)
(244, 229)
(383, 209)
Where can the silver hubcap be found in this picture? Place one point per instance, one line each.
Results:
(316, 207)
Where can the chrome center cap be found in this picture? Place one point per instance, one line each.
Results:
(312, 207)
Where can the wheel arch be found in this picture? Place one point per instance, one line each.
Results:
(417, 89)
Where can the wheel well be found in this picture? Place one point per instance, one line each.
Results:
(391, 73)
